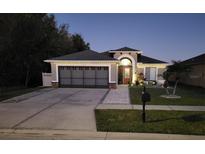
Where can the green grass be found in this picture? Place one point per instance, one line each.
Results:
(171, 122)
(190, 96)
(7, 93)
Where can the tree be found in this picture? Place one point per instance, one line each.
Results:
(175, 70)
(28, 39)
(79, 43)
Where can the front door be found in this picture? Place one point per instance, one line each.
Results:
(126, 75)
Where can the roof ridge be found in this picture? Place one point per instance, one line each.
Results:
(125, 48)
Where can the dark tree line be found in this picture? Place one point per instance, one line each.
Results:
(28, 39)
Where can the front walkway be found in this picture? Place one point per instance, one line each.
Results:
(151, 107)
(118, 96)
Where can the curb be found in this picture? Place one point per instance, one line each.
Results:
(85, 135)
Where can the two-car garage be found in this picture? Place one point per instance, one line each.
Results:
(84, 69)
(81, 76)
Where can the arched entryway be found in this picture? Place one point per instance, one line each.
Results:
(125, 71)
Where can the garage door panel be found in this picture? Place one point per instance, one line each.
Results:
(72, 76)
(89, 82)
(77, 73)
(89, 74)
(65, 73)
(65, 81)
(77, 81)
(101, 73)
(101, 82)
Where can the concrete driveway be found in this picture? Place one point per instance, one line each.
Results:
(62, 108)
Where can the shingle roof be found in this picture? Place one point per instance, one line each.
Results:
(125, 49)
(200, 59)
(141, 58)
(145, 59)
(84, 55)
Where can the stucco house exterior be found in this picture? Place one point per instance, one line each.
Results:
(196, 76)
(106, 69)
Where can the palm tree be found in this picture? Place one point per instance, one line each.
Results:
(175, 70)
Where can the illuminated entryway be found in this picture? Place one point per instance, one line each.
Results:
(125, 71)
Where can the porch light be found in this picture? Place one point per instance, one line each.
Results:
(125, 62)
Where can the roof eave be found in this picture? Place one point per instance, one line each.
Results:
(153, 63)
(50, 61)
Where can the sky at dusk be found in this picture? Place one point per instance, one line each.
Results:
(162, 36)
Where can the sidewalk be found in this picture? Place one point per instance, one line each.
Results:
(151, 107)
(119, 99)
(85, 135)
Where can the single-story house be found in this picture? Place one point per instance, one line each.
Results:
(106, 69)
(196, 76)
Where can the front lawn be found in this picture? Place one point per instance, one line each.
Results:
(190, 96)
(172, 122)
(6, 93)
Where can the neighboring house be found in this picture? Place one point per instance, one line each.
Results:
(196, 76)
(108, 69)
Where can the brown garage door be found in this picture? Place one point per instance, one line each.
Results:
(93, 77)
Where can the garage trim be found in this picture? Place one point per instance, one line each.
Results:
(85, 64)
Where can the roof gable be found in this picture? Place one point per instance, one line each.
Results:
(141, 58)
(84, 55)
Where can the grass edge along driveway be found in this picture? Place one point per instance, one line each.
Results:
(190, 96)
(166, 122)
(16, 91)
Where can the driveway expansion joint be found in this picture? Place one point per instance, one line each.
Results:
(49, 106)
(106, 136)
(18, 99)
(103, 98)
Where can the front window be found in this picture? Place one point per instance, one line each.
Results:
(150, 73)
(125, 62)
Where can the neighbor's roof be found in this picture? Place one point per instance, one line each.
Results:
(84, 55)
(200, 59)
(125, 49)
(145, 59)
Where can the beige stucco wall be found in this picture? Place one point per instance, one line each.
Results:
(133, 54)
(140, 70)
(53, 72)
(160, 73)
(140, 65)
(46, 79)
(114, 75)
(196, 77)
